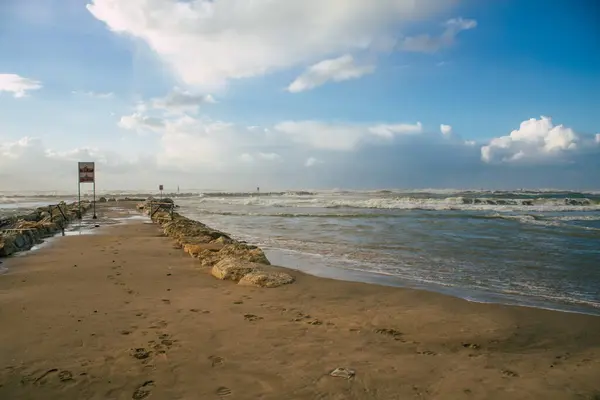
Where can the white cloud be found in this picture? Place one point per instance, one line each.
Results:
(200, 152)
(311, 162)
(446, 130)
(18, 85)
(269, 156)
(140, 122)
(535, 141)
(95, 95)
(337, 69)
(341, 137)
(389, 131)
(21, 160)
(597, 137)
(431, 44)
(179, 101)
(210, 42)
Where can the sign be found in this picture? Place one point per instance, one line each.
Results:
(86, 172)
(160, 187)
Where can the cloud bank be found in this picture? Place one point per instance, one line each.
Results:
(17, 85)
(235, 39)
(200, 152)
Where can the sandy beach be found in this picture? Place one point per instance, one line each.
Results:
(123, 314)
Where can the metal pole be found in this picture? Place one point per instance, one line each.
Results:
(79, 193)
(94, 217)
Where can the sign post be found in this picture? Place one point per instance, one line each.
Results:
(87, 172)
(160, 188)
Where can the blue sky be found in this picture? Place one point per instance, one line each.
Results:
(376, 82)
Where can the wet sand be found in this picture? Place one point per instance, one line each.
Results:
(122, 314)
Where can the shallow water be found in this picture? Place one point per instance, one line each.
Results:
(536, 249)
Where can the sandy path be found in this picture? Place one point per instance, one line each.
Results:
(122, 315)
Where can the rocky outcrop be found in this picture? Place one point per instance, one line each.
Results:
(22, 232)
(228, 258)
(267, 279)
(249, 274)
(232, 270)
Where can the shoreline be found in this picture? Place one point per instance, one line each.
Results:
(288, 261)
(125, 313)
(380, 279)
(309, 264)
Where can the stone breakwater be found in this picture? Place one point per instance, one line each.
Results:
(22, 232)
(227, 258)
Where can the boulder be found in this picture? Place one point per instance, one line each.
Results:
(244, 252)
(266, 279)
(208, 258)
(232, 269)
(7, 245)
(195, 249)
(102, 200)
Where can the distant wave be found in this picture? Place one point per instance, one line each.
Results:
(412, 203)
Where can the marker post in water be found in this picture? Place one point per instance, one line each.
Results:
(160, 188)
(87, 174)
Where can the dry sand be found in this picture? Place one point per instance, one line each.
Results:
(122, 314)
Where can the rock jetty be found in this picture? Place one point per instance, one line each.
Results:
(227, 258)
(22, 232)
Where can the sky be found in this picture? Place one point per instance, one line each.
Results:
(300, 94)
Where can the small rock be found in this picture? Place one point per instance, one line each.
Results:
(343, 373)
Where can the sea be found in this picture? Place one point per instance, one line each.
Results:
(535, 248)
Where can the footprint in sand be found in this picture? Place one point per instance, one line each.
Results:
(427, 353)
(166, 301)
(140, 353)
(252, 317)
(471, 346)
(223, 391)
(158, 325)
(65, 376)
(238, 302)
(216, 361)
(197, 310)
(390, 332)
(143, 391)
(509, 373)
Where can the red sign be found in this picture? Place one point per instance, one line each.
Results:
(86, 172)
(160, 187)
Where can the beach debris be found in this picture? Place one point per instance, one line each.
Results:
(342, 372)
(45, 374)
(143, 390)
